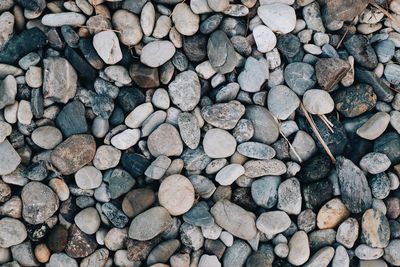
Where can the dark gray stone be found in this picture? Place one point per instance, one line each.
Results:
(71, 120)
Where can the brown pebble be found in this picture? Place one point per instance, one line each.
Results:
(42, 253)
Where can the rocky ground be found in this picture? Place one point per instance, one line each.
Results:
(200, 133)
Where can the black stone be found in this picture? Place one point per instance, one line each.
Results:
(37, 104)
(290, 47)
(114, 215)
(79, 244)
(380, 185)
(71, 120)
(90, 54)
(22, 44)
(381, 90)
(195, 47)
(117, 117)
(214, 247)
(36, 231)
(357, 147)
(242, 197)
(389, 144)
(68, 209)
(83, 69)
(317, 194)
(23, 92)
(33, 5)
(70, 36)
(134, 163)
(129, 98)
(57, 238)
(211, 23)
(359, 47)
(315, 169)
(36, 171)
(180, 61)
(54, 38)
(102, 105)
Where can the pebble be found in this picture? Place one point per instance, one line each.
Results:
(282, 101)
(152, 56)
(234, 219)
(137, 201)
(219, 143)
(289, 196)
(34, 77)
(184, 91)
(119, 182)
(114, 215)
(88, 220)
(13, 232)
(5, 130)
(391, 252)
(354, 189)
(149, 224)
(254, 75)
(280, 18)
(332, 214)
(264, 191)
(172, 187)
(375, 163)
(107, 46)
(391, 73)
(186, 22)
(191, 236)
(358, 46)
(147, 18)
(266, 129)
(158, 167)
(299, 77)
(59, 80)
(79, 244)
(74, 153)
(256, 150)
(221, 52)
(273, 222)
(88, 178)
(375, 229)
(202, 185)
(237, 254)
(189, 129)
(265, 39)
(318, 101)
(9, 158)
(355, 100)
(375, 126)
(126, 139)
(8, 90)
(228, 174)
(329, 71)
(106, 157)
(63, 18)
(258, 168)
(39, 202)
(24, 113)
(165, 140)
(137, 116)
(299, 250)
(223, 115)
(128, 25)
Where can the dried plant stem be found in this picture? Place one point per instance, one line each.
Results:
(316, 132)
(387, 13)
(341, 39)
(287, 140)
(328, 124)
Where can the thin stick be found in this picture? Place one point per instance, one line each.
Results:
(326, 122)
(384, 11)
(315, 130)
(344, 36)
(287, 140)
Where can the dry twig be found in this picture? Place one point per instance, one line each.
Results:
(287, 140)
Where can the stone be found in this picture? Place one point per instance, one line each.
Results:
(24, 114)
(289, 196)
(375, 126)
(312, 17)
(330, 71)
(88, 220)
(254, 75)
(359, 47)
(304, 145)
(128, 25)
(280, 18)
(74, 153)
(176, 194)
(282, 101)
(184, 91)
(144, 76)
(135, 164)
(199, 215)
(237, 254)
(223, 115)
(8, 91)
(147, 18)
(375, 229)
(299, 250)
(332, 214)
(221, 52)
(385, 50)
(202, 185)
(88, 178)
(63, 18)
(392, 252)
(137, 201)
(315, 168)
(355, 100)
(234, 219)
(22, 44)
(23, 254)
(189, 129)
(191, 236)
(381, 89)
(157, 53)
(375, 163)
(318, 101)
(7, 20)
(258, 168)
(46, 137)
(60, 79)
(136, 118)
(347, 232)
(106, 157)
(321, 258)
(160, 99)
(185, 21)
(355, 192)
(82, 67)
(149, 224)
(209, 261)
(79, 244)
(265, 39)
(119, 182)
(163, 251)
(273, 222)
(9, 158)
(264, 191)
(218, 6)
(13, 232)
(39, 202)
(107, 46)
(219, 143)
(228, 174)
(343, 10)
(165, 140)
(299, 77)
(5, 130)
(114, 215)
(158, 167)
(126, 139)
(265, 127)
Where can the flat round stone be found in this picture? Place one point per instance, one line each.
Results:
(47, 137)
(88, 220)
(228, 174)
(186, 22)
(265, 39)
(106, 157)
(282, 101)
(165, 140)
(318, 101)
(126, 139)
(88, 178)
(219, 143)
(12, 232)
(157, 53)
(278, 17)
(176, 194)
(107, 46)
(273, 222)
(375, 126)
